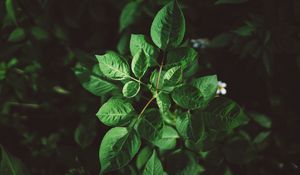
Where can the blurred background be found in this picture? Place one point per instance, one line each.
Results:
(47, 118)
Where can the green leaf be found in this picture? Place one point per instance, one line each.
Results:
(221, 40)
(168, 26)
(163, 102)
(153, 166)
(168, 138)
(150, 125)
(229, 114)
(39, 33)
(143, 157)
(191, 127)
(261, 137)
(10, 165)
(139, 64)
(188, 97)
(113, 66)
(93, 81)
(123, 43)
(261, 119)
(207, 85)
(118, 147)
(115, 112)
(85, 133)
(173, 76)
(2, 71)
(141, 42)
(245, 30)
(11, 12)
(183, 56)
(17, 35)
(130, 89)
(230, 1)
(129, 14)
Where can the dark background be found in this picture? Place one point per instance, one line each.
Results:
(42, 102)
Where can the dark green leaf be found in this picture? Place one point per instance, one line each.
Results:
(168, 26)
(118, 147)
(153, 166)
(183, 56)
(143, 157)
(85, 133)
(17, 35)
(39, 33)
(130, 89)
(11, 12)
(129, 14)
(115, 112)
(113, 66)
(188, 97)
(230, 1)
(207, 85)
(261, 119)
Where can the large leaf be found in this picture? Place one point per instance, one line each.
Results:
(153, 166)
(10, 165)
(115, 112)
(167, 139)
(93, 81)
(131, 88)
(118, 147)
(150, 125)
(11, 12)
(226, 112)
(141, 42)
(230, 1)
(183, 56)
(129, 14)
(188, 97)
(113, 66)
(143, 156)
(173, 76)
(207, 85)
(168, 26)
(139, 64)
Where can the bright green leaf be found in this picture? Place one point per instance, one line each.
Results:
(131, 88)
(153, 166)
(168, 26)
(129, 14)
(115, 112)
(163, 102)
(139, 64)
(143, 157)
(113, 66)
(17, 35)
(168, 138)
(173, 76)
(93, 81)
(118, 147)
(141, 42)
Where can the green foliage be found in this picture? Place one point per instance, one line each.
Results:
(185, 109)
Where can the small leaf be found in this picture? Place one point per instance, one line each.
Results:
(153, 166)
(143, 157)
(261, 119)
(230, 1)
(11, 12)
(39, 33)
(93, 81)
(17, 35)
(168, 26)
(163, 102)
(129, 14)
(168, 138)
(207, 85)
(221, 40)
(130, 89)
(10, 165)
(150, 125)
(115, 112)
(113, 66)
(141, 42)
(261, 137)
(173, 76)
(183, 56)
(85, 133)
(139, 64)
(188, 97)
(118, 147)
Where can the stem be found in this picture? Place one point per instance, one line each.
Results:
(145, 107)
(159, 73)
(137, 80)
